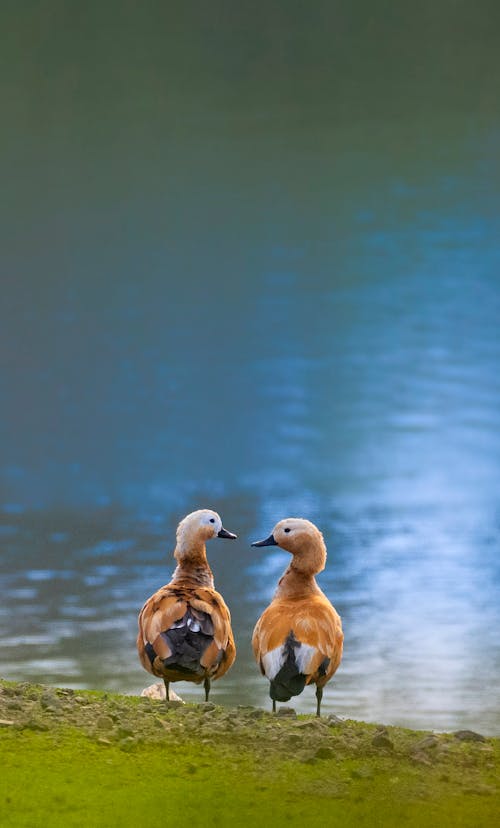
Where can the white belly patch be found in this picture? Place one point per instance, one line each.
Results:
(273, 660)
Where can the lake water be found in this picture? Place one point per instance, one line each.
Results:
(253, 263)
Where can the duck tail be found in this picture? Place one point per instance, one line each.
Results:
(288, 681)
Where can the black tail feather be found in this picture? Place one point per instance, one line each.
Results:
(288, 681)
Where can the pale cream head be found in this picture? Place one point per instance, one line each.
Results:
(197, 528)
(302, 539)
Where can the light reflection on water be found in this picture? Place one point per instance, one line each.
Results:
(280, 302)
(416, 598)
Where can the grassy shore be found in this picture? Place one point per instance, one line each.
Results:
(74, 758)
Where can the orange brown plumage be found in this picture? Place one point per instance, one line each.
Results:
(185, 627)
(298, 639)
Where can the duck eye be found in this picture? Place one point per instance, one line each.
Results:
(212, 520)
(287, 529)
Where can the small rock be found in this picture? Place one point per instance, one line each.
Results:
(102, 741)
(287, 711)
(207, 707)
(309, 724)
(6, 722)
(50, 702)
(468, 736)
(104, 723)
(334, 721)
(51, 705)
(256, 713)
(428, 742)
(158, 691)
(381, 740)
(172, 705)
(33, 724)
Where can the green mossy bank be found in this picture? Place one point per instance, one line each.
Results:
(74, 758)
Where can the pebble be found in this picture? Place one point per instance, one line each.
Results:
(157, 691)
(310, 724)
(287, 711)
(334, 721)
(428, 742)
(104, 723)
(33, 724)
(50, 703)
(206, 707)
(468, 736)
(256, 714)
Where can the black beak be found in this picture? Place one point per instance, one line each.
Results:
(225, 534)
(267, 542)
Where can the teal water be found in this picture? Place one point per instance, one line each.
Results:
(251, 261)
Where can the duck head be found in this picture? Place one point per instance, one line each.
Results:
(303, 540)
(197, 528)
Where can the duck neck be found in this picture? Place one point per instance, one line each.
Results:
(192, 565)
(295, 583)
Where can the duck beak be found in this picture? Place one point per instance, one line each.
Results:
(267, 542)
(225, 534)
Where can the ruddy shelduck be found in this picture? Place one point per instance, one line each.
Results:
(298, 639)
(185, 627)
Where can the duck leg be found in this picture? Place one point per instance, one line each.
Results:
(206, 685)
(274, 705)
(319, 696)
(167, 686)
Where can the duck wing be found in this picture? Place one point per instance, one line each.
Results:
(185, 633)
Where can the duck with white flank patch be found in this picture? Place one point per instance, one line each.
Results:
(185, 628)
(298, 639)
